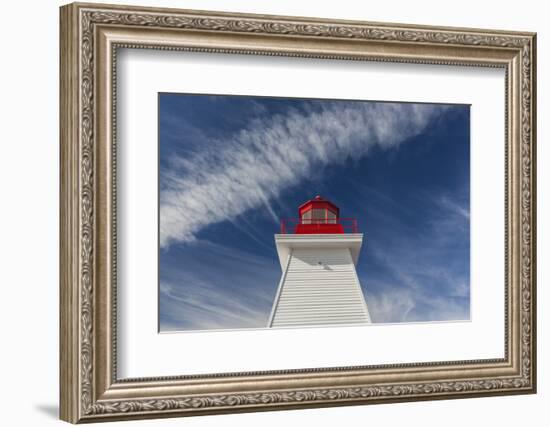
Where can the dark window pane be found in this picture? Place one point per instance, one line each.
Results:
(319, 215)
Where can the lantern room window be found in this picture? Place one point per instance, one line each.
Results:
(319, 216)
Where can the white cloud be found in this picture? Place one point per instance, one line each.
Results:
(251, 168)
(425, 278)
(451, 205)
(406, 305)
(390, 307)
(237, 293)
(206, 306)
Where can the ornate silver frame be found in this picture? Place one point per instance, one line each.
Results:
(90, 35)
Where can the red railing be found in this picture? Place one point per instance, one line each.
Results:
(319, 226)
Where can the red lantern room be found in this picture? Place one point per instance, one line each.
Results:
(319, 216)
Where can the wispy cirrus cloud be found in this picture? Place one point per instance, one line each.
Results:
(448, 203)
(235, 293)
(207, 306)
(424, 277)
(404, 305)
(251, 168)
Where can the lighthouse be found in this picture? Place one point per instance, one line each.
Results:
(318, 252)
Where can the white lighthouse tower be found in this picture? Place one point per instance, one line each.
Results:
(319, 286)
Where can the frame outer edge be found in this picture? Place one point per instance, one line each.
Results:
(305, 19)
(77, 339)
(69, 221)
(533, 113)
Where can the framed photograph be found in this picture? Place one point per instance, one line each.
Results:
(266, 212)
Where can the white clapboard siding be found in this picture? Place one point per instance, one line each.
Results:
(319, 287)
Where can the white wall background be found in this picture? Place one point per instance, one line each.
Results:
(29, 170)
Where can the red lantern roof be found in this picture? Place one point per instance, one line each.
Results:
(319, 216)
(318, 203)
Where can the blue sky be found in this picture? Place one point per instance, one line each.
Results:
(231, 167)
